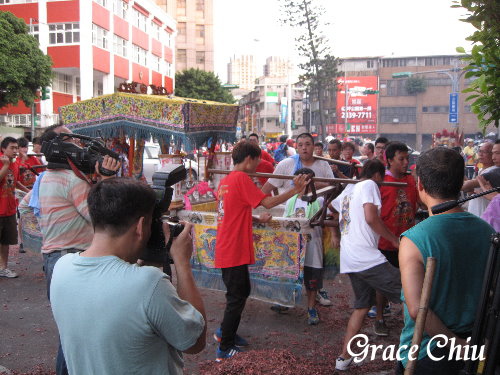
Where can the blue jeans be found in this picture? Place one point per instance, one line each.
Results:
(49, 262)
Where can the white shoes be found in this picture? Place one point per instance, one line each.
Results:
(322, 298)
(8, 273)
(342, 364)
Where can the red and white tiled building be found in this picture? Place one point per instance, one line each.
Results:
(95, 45)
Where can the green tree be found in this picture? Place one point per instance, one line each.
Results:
(198, 84)
(319, 66)
(24, 68)
(484, 59)
(415, 85)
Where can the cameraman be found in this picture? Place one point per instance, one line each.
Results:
(146, 323)
(60, 203)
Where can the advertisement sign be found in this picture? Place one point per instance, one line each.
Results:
(283, 110)
(271, 97)
(359, 107)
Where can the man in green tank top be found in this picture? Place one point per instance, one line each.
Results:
(460, 242)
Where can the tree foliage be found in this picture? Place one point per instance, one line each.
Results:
(198, 84)
(319, 66)
(415, 85)
(24, 68)
(484, 59)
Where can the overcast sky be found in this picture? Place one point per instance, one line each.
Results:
(357, 28)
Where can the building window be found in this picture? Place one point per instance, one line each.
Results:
(200, 57)
(441, 81)
(181, 31)
(395, 87)
(168, 69)
(99, 36)
(370, 64)
(155, 30)
(140, 20)
(181, 7)
(120, 8)
(64, 33)
(140, 55)
(181, 56)
(389, 63)
(77, 84)
(62, 83)
(155, 63)
(34, 30)
(98, 88)
(436, 109)
(200, 8)
(102, 2)
(200, 34)
(396, 115)
(119, 46)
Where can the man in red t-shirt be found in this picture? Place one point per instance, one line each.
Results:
(267, 162)
(264, 154)
(24, 162)
(9, 175)
(399, 205)
(234, 251)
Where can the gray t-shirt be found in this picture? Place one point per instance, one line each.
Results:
(287, 166)
(117, 318)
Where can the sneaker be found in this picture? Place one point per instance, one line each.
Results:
(8, 273)
(238, 340)
(312, 317)
(373, 311)
(322, 298)
(380, 329)
(220, 355)
(279, 309)
(342, 364)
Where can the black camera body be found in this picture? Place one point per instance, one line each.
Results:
(157, 250)
(57, 152)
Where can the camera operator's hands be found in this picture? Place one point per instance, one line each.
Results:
(182, 245)
(108, 163)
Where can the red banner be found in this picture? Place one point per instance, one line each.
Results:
(360, 108)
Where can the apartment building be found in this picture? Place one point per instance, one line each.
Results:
(95, 46)
(242, 71)
(195, 39)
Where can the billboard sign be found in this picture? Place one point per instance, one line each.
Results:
(357, 113)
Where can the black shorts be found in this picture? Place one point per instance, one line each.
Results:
(392, 256)
(8, 230)
(385, 278)
(313, 278)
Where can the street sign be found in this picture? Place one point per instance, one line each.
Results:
(453, 115)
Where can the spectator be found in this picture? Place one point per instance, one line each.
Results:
(369, 151)
(458, 280)
(470, 158)
(492, 213)
(147, 323)
(37, 149)
(9, 176)
(281, 151)
(368, 269)
(266, 164)
(478, 205)
(290, 147)
(25, 163)
(234, 250)
(380, 143)
(318, 149)
(334, 151)
(347, 153)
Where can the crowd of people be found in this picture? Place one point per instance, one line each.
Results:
(93, 236)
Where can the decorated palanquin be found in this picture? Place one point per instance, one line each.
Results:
(280, 246)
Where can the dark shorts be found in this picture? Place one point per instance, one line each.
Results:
(313, 278)
(8, 230)
(392, 256)
(385, 278)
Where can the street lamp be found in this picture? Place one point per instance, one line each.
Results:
(454, 74)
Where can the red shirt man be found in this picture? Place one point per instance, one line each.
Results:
(399, 205)
(234, 249)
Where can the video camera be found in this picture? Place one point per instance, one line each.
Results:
(157, 250)
(59, 152)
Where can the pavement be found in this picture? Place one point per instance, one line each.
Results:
(29, 337)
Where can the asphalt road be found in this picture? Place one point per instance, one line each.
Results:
(29, 338)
